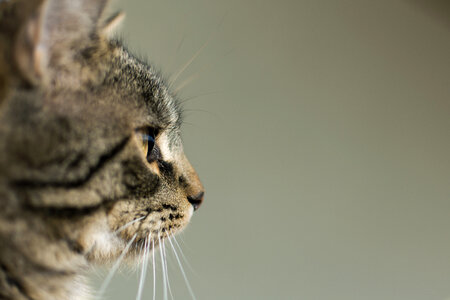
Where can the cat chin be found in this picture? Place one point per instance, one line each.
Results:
(102, 243)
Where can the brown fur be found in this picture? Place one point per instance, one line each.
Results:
(72, 169)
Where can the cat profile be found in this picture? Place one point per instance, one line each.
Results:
(91, 156)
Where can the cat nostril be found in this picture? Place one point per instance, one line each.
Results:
(196, 200)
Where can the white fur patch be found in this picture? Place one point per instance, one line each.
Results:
(163, 144)
(103, 241)
(80, 289)
(190, 212)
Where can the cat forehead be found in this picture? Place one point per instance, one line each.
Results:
(144, 87)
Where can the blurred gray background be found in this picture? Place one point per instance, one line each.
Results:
(321, 131)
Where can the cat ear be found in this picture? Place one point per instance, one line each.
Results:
(53, 30)
(112, 24)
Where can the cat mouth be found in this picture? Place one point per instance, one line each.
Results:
(155, 228)
(163, 232)
(153, 241)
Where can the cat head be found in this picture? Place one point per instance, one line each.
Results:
(90, 135)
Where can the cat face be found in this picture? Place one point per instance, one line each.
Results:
(90, 136)
(162, 187)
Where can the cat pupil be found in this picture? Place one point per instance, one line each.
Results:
(150, 140)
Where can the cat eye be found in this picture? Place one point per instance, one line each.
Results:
(147, 138)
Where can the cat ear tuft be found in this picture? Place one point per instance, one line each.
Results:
(112, 24)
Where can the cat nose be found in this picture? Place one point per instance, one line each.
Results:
(196, 200)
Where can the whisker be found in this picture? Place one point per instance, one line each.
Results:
(186, 82)
(154, 270)
(189, 112)
(143, 269)
(180, 45)
(183, 256)
(138, 296)
(188, 63)
(165, 266)
(138, 254)
(148, 249)
(114, 268)
(163, 269)
(121, 228)
(182, 271)
(199, 72)
(185, 100)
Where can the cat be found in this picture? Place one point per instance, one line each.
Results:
(91, 156)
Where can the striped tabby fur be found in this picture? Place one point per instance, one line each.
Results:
(77, 112)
